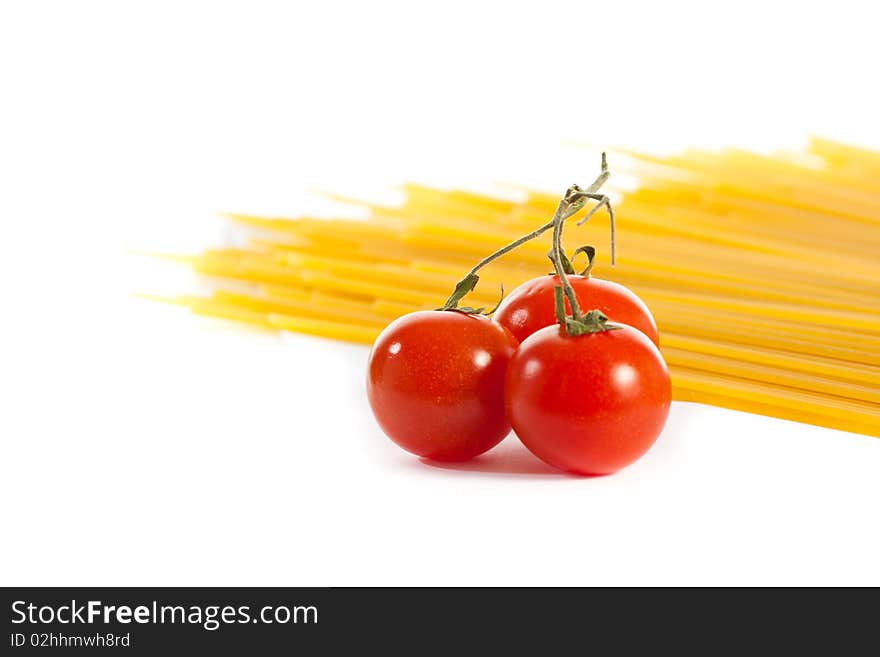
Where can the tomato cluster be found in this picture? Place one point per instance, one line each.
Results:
(583, 394)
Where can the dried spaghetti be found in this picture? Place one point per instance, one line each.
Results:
(762, 272)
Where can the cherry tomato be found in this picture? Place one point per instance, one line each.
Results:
(435, 382)
(530, 306)
(590, 404)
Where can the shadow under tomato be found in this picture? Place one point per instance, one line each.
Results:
(508, 458)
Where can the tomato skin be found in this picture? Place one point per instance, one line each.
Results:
(435, 382)
(530, 307)
(589, 404)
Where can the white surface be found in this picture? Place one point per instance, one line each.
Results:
(141, 445)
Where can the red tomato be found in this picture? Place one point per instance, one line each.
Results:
(435, 382)
(591, 403)
(530, 306)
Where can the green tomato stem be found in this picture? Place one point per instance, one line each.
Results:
(575, 198)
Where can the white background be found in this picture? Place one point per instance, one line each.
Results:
(141, 445)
